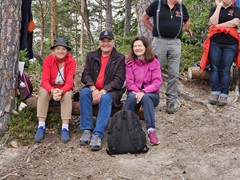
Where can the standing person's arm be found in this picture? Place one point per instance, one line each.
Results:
(214, 19)
(186, 25)
(145, 19)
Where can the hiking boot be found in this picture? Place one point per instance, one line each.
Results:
(222, 101)
(153, 138)
(39, 134)
(95, 143)
(170, 108)
(65, 135)
(86, 137)
(214, 99)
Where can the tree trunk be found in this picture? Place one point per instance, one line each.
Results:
(84, 20)
(53, 20)
(140, 7)
(82, 31)
(108, 15)
(10, 17)
(127, 23)
(43, 13)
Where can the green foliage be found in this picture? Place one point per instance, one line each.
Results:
(23, 57)
(123, 43)
(23, 125)
(190, 55)
(198, 12)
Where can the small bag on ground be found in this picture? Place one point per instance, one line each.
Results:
(125, 134)
(24, 85)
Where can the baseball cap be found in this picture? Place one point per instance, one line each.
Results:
(106, 34)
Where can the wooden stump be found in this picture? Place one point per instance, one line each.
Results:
(196, 73)
(32, 103)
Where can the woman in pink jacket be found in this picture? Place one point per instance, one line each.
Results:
(143, 80)
(57, 83)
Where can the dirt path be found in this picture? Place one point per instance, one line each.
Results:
(196, 144)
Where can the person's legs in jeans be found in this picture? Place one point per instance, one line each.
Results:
(228, 55)
(215, 58)
(149, 101)
(131, 102)
(104, 113)
(85, 99)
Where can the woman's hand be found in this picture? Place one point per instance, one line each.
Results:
(57, 94)
(218, 2)
(139, 96)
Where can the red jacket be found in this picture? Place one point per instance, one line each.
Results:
(206, 45)
(50, 71)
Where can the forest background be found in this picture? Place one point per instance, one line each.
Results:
(82, 21)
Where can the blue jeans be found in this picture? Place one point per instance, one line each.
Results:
(105, 109)
(148, 102)
(221, 57)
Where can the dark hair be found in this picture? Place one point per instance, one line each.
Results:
(149, 55)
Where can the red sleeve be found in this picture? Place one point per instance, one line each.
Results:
(46, 74)
(69, 76)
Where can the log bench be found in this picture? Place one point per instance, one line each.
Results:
(32, 103)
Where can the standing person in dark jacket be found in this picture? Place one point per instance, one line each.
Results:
(103, 77)
(170, 18)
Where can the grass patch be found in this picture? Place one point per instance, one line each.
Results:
(23, 126)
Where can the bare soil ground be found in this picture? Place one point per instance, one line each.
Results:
(199, 142)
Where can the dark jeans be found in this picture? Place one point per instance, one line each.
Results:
(221, 57)
(148, 102)
(86, 115)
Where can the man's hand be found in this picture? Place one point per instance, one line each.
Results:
(96, 96)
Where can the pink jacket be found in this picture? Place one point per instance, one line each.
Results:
(50, 71)
(142, 76)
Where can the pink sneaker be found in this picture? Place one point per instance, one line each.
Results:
(153, 138)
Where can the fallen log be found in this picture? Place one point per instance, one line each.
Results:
(32, 103)
(196, 73)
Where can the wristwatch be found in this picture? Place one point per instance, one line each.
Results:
(103, 91)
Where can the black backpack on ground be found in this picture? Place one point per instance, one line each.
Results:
(125, 134)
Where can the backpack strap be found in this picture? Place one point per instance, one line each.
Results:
(158, 19)
(25, 82)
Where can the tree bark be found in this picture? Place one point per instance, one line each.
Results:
(53, 20)
(108, 15)
(127, 23)
(140, 7)
(10, 17)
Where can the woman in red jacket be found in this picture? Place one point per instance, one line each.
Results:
(57, 83)
(224, 42)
